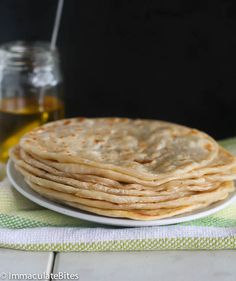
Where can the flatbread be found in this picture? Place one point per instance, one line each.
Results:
(223, 163)
(132, 213)
(87, 192)
(124, 189)
(18, 152)
(204, 197)
(137, 214)
(145, 149)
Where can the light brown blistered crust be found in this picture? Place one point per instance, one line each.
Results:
(145, 149)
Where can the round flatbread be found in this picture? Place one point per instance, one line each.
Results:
(145, 149)
(98, 207)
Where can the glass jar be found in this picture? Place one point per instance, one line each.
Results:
(30, 90)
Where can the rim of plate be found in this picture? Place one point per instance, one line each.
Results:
(17, 180)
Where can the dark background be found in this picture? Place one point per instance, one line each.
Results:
(172, 60)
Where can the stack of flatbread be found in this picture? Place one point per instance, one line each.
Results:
(117, 167)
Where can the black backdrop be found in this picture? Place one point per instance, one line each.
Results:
(173, 60)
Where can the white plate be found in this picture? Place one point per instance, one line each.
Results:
(20, 185)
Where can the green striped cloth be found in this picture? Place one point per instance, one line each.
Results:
(27, 226)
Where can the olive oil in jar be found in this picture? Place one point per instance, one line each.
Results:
(19, 115)
(31, 90)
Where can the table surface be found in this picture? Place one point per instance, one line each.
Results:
(106, 266)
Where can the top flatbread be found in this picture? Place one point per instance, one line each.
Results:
(145, 149)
